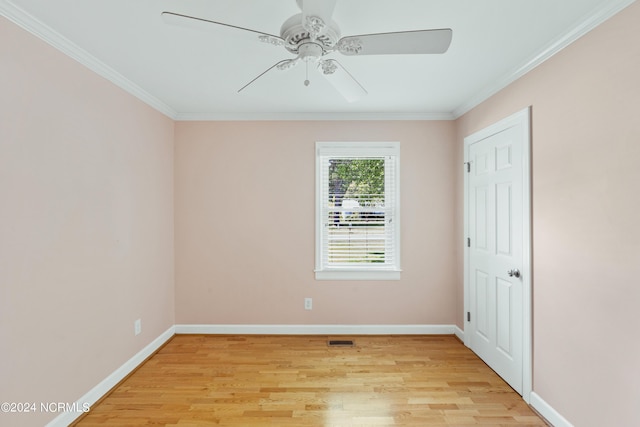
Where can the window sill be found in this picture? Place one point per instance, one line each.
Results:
(358, 274)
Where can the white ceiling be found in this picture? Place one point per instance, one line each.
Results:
(191, 74)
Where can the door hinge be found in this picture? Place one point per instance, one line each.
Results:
(468, 316)
(468, 164)
(468, 242)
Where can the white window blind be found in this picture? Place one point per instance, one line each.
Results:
(357, 192)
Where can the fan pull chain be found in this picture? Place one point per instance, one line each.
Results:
(306, 82)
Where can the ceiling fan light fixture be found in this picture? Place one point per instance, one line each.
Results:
(310, 51)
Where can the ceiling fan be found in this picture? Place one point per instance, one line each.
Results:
(312, 35)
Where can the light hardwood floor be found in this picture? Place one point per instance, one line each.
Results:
(211, 380)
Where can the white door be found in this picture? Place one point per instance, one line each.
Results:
(496, 227)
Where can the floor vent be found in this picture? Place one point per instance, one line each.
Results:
(341, 343)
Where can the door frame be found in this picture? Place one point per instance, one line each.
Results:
(522, 117)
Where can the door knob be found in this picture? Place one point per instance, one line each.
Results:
(514, 273)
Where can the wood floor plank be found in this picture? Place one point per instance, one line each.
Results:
(236, 380)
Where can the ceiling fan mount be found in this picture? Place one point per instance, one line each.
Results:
(312, 34)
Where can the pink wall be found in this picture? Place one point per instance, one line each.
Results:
(586, 237)
(245, 225)
(86, 225)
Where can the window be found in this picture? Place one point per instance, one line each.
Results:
(357, 211)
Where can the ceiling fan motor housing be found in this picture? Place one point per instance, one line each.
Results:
(296, 34)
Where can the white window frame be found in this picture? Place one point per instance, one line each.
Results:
(358, 149)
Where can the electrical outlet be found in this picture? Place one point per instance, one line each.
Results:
(308, 303)
(137, 327)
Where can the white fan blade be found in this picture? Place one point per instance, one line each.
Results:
(320, 8)
(342, 80)
(283, 65)
(404, 42)
(193, 22)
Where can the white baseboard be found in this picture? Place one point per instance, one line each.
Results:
(550, 414)
(96, 393)
(458, 333)
(318, 329)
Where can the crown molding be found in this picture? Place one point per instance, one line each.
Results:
(36, 27)
(312, 116)
(588, 23)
